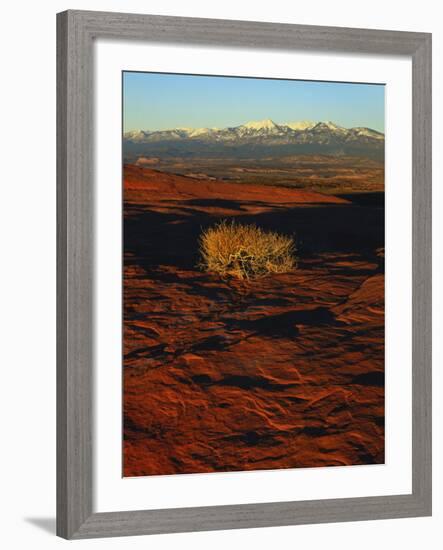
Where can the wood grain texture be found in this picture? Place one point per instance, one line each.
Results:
(422, 272)
(74, 292)
(241, 516)
(76, 31)
(219, 32)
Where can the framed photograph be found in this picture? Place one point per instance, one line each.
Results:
(244, 274)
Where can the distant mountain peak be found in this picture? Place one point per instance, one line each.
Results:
(333, 126)
(134, 133)
(266, 124)
(330, 125)
(299, 137)
(300, 124)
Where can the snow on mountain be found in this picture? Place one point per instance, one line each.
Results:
(299, 136)
(367, 132)
(301, 124)
(266, 124)
(136, 135)
(329, 127)
(299, 130)
(201, 131)
(260, 129)
(162, 135)
(333, 126)
(193, 132)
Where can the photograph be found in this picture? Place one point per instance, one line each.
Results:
(253, 274)
(219, 288)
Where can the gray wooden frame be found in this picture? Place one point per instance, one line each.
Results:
(76, 32)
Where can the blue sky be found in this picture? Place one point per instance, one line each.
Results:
(154, 101)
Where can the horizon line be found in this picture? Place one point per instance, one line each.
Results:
(314, 123)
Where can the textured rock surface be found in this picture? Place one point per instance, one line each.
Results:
(282, 372)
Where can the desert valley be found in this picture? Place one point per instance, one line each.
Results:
(280, 371)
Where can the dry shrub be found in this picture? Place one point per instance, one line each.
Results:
(245, 251)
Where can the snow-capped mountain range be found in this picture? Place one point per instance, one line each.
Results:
(287, 138)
